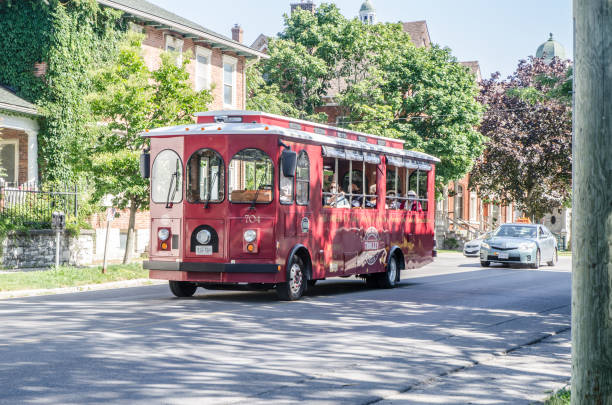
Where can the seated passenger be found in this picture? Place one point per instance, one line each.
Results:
(392, 201)
(337, 200)
(357, 197)
(371, 201)
(412, 204)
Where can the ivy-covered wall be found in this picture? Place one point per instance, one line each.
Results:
(69, 37)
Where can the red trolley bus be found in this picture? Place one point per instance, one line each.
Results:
(246, 199)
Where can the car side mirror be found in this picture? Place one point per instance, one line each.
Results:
(288, 163)
(145, 165)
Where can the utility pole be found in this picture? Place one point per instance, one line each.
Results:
(592, 204)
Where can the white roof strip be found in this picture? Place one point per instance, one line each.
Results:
(290, 119)
(260, 129)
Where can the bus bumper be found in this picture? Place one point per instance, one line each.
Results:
(212, 267)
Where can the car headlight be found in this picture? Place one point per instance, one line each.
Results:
(484, 246)
(527, 246)
(203, 237)
(250, 235)
(163, 234)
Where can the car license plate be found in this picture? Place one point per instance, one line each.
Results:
(504, 256)
(204, 250)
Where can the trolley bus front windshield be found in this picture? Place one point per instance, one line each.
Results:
(250, 177)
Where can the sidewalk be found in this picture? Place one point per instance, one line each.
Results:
(524, 376)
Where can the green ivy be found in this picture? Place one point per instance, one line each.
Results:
(71, 37)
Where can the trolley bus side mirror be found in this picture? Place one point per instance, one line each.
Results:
(145, 165)
(288, 163)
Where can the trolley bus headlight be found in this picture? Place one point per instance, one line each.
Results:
(203, 237)
(163, 234)
(250, 236)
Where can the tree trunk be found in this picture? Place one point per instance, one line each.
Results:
(592, 204)
(129, 242)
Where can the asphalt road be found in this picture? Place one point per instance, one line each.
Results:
(451, 333)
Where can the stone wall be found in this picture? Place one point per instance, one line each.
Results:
(36, 249)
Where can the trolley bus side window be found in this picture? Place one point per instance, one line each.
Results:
(167, 178)
(251, 174)
(285, 187)
(396, 188)
(302, 179)
(357, 189)
(417, 190)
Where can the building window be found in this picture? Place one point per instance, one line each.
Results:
(459, 202)
(175, 45)
(9, 160)
(473, 206)
(203, 56)
(229, 81)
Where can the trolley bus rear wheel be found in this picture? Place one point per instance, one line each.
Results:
(293, 289)
(389, 278)
(182, 289)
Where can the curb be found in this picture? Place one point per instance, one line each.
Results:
(82, 288)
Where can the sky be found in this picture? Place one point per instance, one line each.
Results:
(497, 33)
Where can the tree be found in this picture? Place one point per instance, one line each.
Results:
(382, 82)
(527, 160)
(130, 99)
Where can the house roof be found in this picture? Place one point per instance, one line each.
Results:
(9, 101)
(158, 17)
(419, 33)
(474, 67)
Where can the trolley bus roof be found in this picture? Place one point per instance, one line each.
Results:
(288, 133)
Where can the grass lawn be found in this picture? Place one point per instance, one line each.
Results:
(566, 253)
(561, 397)
(449, 251)
(69, 277)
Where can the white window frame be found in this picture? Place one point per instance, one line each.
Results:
(177, 44)
(207, 53)
(230, 60)
(16, 160)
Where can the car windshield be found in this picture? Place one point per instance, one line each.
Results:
(516, 231)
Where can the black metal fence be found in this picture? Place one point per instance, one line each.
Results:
(32, 204)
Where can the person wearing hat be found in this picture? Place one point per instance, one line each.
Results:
(413, 204)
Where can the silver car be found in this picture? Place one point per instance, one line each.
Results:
(472, 248)
(519, 244)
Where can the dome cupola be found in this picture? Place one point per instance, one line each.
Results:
(550, 49)
(367, 13)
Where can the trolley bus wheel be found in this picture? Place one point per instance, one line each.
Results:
(296, 281)
(182, 289)
(389, 278)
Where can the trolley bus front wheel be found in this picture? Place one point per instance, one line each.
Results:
(182, 289)
(389, 278)
(296, 281)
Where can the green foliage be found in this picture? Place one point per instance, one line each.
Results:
(382, 82)
(129, 99)
(561, 397)
(69, 37)
(528, 160)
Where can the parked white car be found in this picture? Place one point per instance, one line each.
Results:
(472, 248)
